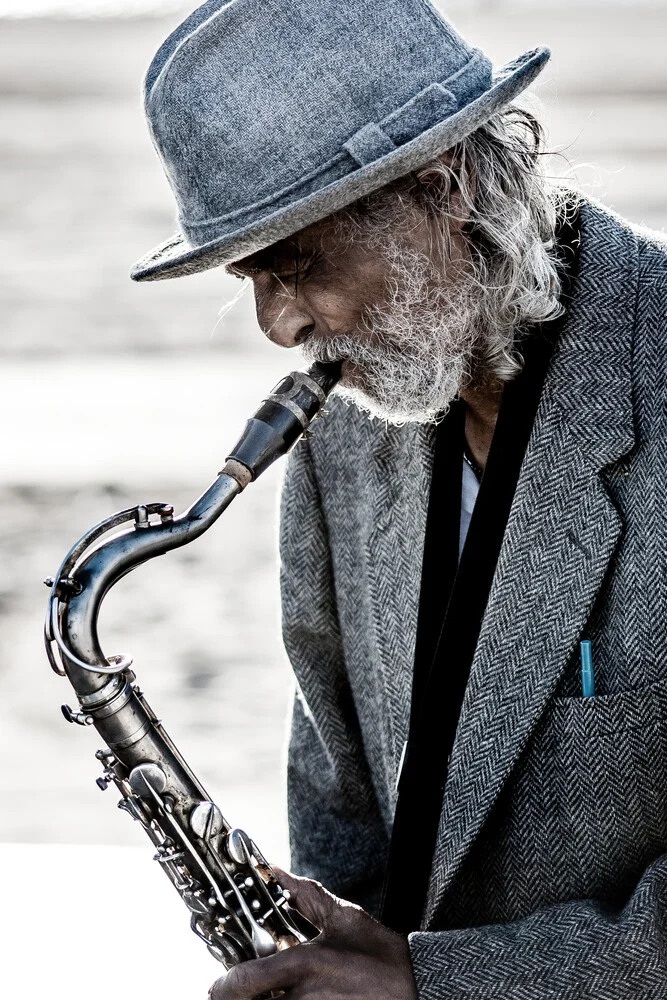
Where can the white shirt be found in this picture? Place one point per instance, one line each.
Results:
(469, 491)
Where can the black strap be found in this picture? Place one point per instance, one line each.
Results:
(441, 553)
(452, 605)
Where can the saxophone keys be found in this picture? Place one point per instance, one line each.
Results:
(196, 902)
(146, 779)
(206, 821)
(239, 846)
(80, 718)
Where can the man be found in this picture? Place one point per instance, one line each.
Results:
(486, 494)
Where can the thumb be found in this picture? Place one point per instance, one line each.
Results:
(312, 900)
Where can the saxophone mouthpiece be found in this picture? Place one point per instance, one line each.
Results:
(326, 374)
(282, 419)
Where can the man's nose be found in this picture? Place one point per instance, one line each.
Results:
(285, 321)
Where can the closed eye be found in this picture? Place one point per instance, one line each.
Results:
(296, 270)
(288, 270)
(237, 271)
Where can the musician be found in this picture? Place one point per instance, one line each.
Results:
(487, 492)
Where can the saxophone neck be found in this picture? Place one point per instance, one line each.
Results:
(97, 562)
(91, 570)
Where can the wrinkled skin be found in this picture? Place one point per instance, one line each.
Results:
(354, 957)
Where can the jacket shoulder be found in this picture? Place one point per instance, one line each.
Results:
(614, 236)
(628, 261)
(652, 247)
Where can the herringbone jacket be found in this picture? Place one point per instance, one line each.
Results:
(549, 878)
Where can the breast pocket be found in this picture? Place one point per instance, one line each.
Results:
(609, 758)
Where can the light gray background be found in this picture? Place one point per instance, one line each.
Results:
(111, 393)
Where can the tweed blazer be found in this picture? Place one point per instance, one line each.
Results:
(549, 877)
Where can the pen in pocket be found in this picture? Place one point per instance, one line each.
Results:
(587, 676)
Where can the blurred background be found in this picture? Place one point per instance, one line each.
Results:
(113, 393)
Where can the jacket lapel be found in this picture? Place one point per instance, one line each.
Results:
(560, 537)
(397, 475)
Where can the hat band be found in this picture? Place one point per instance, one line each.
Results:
(428, 108)
(201, 232)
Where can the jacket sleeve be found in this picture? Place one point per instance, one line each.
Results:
(336, 832)
(570, 951)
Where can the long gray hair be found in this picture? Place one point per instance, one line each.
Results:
(510, 221)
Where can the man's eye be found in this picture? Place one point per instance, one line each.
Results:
(243, 273)
(295, 271)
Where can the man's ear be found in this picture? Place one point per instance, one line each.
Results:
(449, 182)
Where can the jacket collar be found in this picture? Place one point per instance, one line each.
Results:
(560, 537)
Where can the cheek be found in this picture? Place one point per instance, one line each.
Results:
(264, 305)
(334, 310)
(339, 304)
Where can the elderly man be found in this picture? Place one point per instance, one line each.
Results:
(487, 494)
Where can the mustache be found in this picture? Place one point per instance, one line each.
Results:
(336, 348)
(353, 347)
(324, 349)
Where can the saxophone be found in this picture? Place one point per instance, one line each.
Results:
(237, 905)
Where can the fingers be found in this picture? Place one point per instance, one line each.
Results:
(311, 899)
(286, 880)
(262, 975)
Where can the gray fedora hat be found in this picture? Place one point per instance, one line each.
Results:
(271, 114)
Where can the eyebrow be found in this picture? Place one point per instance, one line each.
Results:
(272, 259)
(249, 265)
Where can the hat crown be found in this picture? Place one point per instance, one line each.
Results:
(250, 101)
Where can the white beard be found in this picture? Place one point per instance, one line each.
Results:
(413, 354)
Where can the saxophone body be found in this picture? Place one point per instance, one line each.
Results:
(236, 904)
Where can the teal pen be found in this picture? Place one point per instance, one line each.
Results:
(587, 676)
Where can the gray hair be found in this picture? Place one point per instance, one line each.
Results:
(509, 229)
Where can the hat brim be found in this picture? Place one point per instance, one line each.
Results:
(177, 257)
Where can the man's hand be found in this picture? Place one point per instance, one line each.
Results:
(354, 957)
